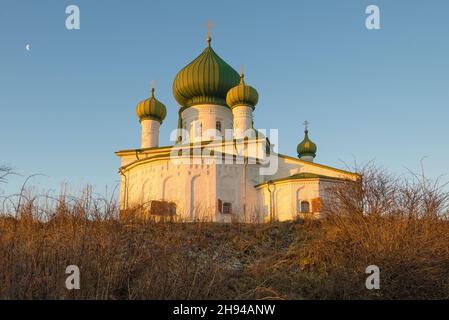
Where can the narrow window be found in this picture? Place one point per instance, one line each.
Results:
(192, 129)
(305, 207)
(198, 129)
(195, 129)
(218, 126)
(227, 208)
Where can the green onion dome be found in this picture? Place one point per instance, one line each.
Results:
(206, 80)
(151, 109)
(306, 147)
(242, 94)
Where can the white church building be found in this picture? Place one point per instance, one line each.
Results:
(219, 167)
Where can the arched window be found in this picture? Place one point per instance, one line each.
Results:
(218, 126)
(195, 129)
(198, 129)
(305, 207)
(182, 131)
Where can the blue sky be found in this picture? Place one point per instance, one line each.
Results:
(69, 103)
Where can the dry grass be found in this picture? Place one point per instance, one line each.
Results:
(397, 225)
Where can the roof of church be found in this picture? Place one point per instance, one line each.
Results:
(206, 80)
(315, 164)
(301, 176)
(164, 152)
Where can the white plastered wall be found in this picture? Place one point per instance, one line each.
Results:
(243, 118)
(190, 186)
(150, 133)
(235, 184)
(207, 115)
(286, 198)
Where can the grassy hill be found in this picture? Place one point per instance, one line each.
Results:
(294, 260)
(400, 227)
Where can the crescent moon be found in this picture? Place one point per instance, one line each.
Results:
(28, 47)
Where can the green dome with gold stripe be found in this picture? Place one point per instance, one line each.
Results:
(242, 95)
(306, 147)
(206, 80)
(151, 109)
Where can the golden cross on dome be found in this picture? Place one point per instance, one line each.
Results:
(152, 87)
(306, 125)
(242, 74)
(209, 30)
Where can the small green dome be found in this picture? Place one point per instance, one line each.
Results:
(242, 95)
(151, 109)
(207, 79)
(306, 147)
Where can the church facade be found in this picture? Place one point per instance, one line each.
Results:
(219, 168)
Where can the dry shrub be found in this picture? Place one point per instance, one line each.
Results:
(396, 224)
(127, 259)
(400, 225)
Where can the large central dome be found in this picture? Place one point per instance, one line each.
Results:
(206, 80)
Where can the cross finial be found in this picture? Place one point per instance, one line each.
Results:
(209, 30)
(306, 125)
(152, 87)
